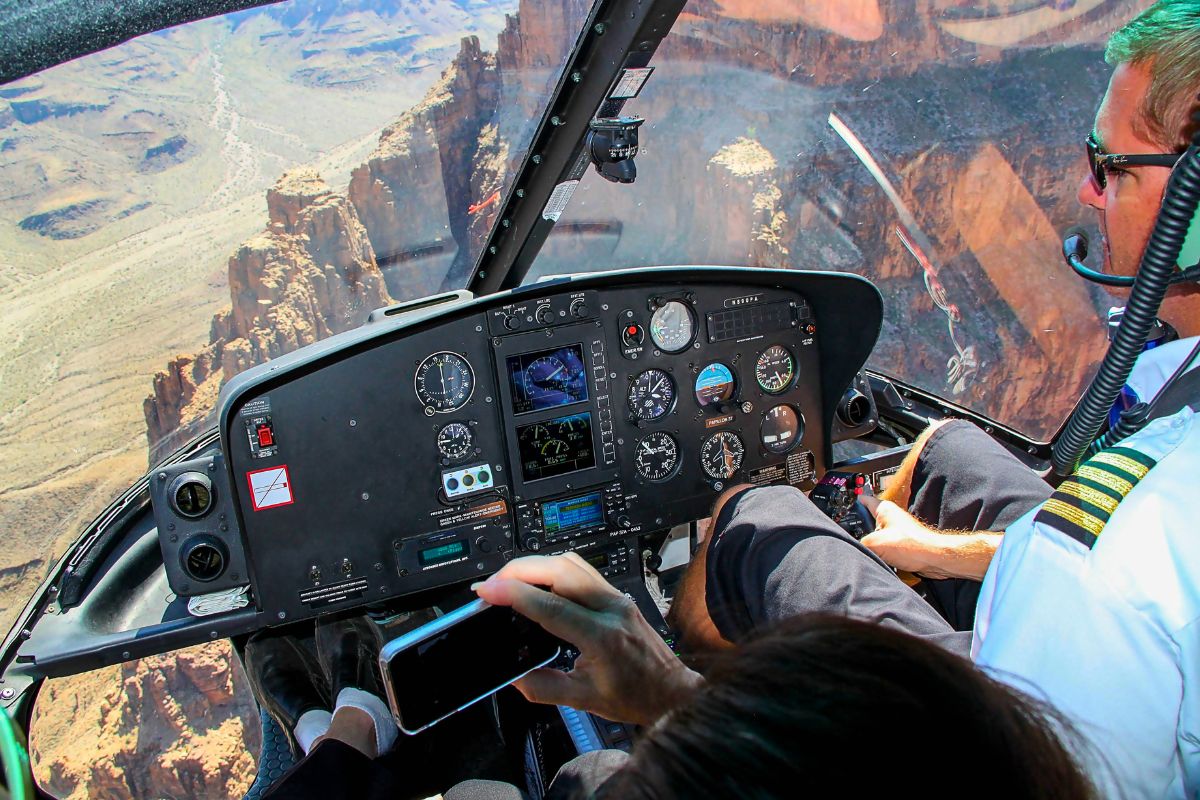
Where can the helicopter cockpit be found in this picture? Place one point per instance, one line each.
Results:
(594, 263)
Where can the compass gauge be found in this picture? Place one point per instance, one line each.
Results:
(721, 455)
(444, 382)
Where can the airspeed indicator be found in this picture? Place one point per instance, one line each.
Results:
(656, 456)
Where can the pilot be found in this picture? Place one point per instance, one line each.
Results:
(1093, 605)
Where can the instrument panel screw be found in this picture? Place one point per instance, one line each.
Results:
(378, 566)
(487, 399)
(600, 28)
(520, 192)
(478, 328)
(1032, 450)
(174, 537)
(576, 76)
(536, 159)
(162, 476)
(282, 615)
(366, 495)
(125, 655)
(8, 693)
(556, 121)
(353, 423)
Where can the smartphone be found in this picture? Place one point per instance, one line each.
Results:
(459, 659)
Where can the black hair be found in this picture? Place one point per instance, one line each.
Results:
(820, 703)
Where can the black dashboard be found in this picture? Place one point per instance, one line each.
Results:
(449, 435)
(571, 415)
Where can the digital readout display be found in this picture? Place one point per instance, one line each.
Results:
(567, 515)
(597, 560)
(442, 553)
(547, 379)
(556, 446)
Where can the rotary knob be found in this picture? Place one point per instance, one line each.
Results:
(579, 308)
(543, 314)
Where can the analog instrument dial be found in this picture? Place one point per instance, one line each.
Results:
(651, 395)
(672, 327)
(775, 369)
(721, 455)
(781, 429)
(656, 457)
(455, 441)
(444, 382)
(715, 385)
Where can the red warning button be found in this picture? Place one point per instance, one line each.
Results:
(266, 437)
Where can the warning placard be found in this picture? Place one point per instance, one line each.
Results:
(270, 488)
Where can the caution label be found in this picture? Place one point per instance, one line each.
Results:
(270, 488)
(494, 509)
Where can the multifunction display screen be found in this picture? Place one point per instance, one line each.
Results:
(547, 379)
(576, 512)
(556, 446)
(440, 554)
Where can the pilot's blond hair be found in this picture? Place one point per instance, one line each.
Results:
(1166, 37)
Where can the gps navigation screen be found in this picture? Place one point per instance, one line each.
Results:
(556, 446)
(547, 379)
(576, 512)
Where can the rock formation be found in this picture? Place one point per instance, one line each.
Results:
(180, 725)
(310, 274)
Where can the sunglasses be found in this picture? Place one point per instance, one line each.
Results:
(1099, 161)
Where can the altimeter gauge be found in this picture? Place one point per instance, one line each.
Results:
(656, 457)
(781, 429)
(455, 441)
(721, 455)
(672, 327)
(444, 382)
(775, 369)
(651, 395)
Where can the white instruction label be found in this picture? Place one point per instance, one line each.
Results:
(559, 199)
(270, 488)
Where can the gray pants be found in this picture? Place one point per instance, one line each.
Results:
(773, 554)
(578, 779)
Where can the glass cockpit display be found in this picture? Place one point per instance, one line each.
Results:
(556, 446)
(547, 379)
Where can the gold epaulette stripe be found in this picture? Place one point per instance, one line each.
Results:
(1101, 476)
(1083, 504)
(1121, 462)
(1090, 495)
(1089, 523)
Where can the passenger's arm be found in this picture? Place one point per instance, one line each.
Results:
(905, 543)
(625, 671)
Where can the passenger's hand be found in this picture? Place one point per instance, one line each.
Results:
(625, 672)
(907, 544)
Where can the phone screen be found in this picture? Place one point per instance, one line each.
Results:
(458, 659)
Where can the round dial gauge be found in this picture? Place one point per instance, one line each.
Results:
(781, 429)
(775, 369)
(444, 382)
(721, 455)
(656, 456)
(455, 440)
(651, 395)
(672, 327)
(714, 385)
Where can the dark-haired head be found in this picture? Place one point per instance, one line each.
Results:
(822, 703)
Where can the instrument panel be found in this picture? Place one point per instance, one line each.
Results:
(572, 416)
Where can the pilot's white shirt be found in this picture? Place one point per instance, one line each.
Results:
(1111, 636)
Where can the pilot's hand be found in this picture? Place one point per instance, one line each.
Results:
(907, 544)
(625, 672)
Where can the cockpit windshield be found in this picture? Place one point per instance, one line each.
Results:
(934, 148)
(197, 201)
